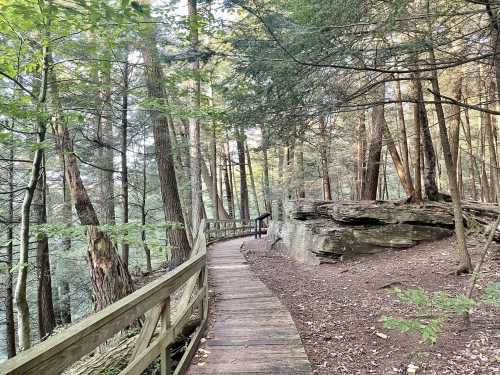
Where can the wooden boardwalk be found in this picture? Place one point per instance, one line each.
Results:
(253, 333)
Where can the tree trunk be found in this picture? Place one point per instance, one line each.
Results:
(361, 154)
(172, 208)
(222, 213)
(485, 186)
(124, 171)
(455, 120)
(110, 278)
(10, 329)
(280, 204)
(375, 149)
(194, 123)
(252, 180)
(472, 159)
(64, 308)
(265, 167)
(290, 160)
(244, 201)
(464, 257)
(214, 194)
(299, 167)
(430, 186)
(227, 184)
(404, 138)
(490, 135)
(45, 306)
(105, 137)
(398, 165)
(323, 150)
(147, 252)
(21, 301)
(417, 113)
(491, 132)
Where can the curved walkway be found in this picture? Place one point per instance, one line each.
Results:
(252, 332)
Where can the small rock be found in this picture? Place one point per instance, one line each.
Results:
(411, 369)
(381, 335)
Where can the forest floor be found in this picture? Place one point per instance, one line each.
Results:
(337, 307)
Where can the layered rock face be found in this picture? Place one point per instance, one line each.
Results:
(315, 231)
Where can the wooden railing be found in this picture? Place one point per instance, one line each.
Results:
(222, 229)
(152, 302)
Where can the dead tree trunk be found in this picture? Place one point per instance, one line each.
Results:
(110, 278)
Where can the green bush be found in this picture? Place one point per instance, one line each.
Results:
(435, 309)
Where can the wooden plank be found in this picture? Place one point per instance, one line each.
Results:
(166, 323)
(147, 331)
(253, 333)
(146, 357)
(140, 363)
(185, 361)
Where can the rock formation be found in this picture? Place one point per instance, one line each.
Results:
(316, 230)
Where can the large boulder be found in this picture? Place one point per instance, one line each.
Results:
(315, 231)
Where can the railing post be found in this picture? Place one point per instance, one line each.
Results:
(166, 323)
(203, 284)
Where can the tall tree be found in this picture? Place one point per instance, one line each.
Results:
(10, 328)
(124, 148)
(110, 278)
(324, 148)
(46, 314)
(155, 79)
(194, 121)
(463, 254)
(375, 148)
(244, 201)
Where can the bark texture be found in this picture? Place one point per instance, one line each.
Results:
(374, 149)
(177, 238)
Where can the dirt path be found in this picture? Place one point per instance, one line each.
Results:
(336, 308)
(250, 332)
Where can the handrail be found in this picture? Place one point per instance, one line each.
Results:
(152, 301)
(227, 228)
